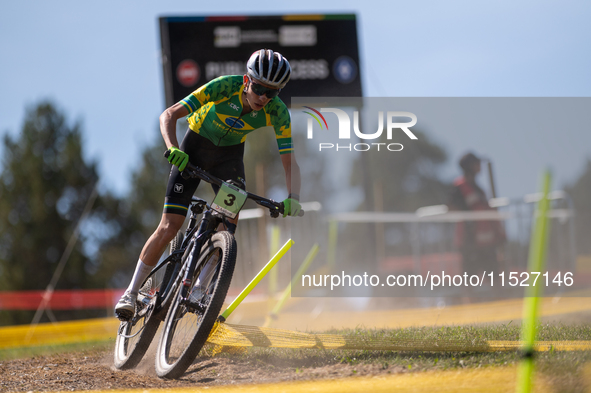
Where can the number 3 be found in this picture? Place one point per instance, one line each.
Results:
(231, 200)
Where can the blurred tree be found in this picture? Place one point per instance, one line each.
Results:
(135, 217)
(393, 181)
(580, 192)
(314, 168)
(45, 184)
(408, 179)
(261, 152)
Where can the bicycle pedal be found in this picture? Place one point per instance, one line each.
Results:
(143, 300)
(124, 316)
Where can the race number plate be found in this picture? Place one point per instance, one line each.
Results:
(229, 200)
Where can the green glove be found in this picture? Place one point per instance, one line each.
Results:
(291, 207)
(178, 157)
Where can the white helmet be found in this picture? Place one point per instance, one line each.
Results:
(269, 67)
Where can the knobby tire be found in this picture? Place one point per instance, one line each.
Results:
(135, 336)
(186, 329)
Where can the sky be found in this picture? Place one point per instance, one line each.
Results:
(100, 63)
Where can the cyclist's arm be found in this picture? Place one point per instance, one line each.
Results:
(168, 120)
(292, 174)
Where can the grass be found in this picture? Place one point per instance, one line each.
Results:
(29, 352)
(474, 333)
(563, 370)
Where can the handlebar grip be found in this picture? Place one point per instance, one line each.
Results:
(300, 213)
(166, 153)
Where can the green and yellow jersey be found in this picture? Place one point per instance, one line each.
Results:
(215, 108)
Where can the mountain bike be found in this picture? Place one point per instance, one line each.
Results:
(188, 288)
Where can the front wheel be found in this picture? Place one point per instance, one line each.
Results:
(188, 324)
(135, 335)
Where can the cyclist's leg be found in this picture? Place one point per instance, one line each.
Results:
(151, 253)
(176, 203)
(178, 198)
(169, 226)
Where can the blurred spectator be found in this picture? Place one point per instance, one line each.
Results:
(477, 241)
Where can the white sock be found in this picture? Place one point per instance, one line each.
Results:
(141, 272)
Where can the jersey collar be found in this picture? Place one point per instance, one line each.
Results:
(240, 96)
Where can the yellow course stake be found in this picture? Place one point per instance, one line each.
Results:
(273, 274)
(256, 280)
(304, 266)
(536, 263)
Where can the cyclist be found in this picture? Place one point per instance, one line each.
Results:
(478, 241)
(220, 114)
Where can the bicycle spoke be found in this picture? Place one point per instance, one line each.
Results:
(181, 333)
(190, 320)
(134, 336)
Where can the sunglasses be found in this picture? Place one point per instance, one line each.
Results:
(259, 90)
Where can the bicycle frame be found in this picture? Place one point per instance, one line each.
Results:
(193, 234)
(197, 235)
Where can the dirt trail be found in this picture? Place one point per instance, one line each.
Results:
(95, 371)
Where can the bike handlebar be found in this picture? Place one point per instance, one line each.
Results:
(195, 171)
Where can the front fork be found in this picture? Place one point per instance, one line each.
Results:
(207, 225)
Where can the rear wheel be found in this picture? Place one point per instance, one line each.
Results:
(135, 335)
(188, 324)
(177, 242)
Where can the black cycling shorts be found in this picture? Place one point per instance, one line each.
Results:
(224, 162)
